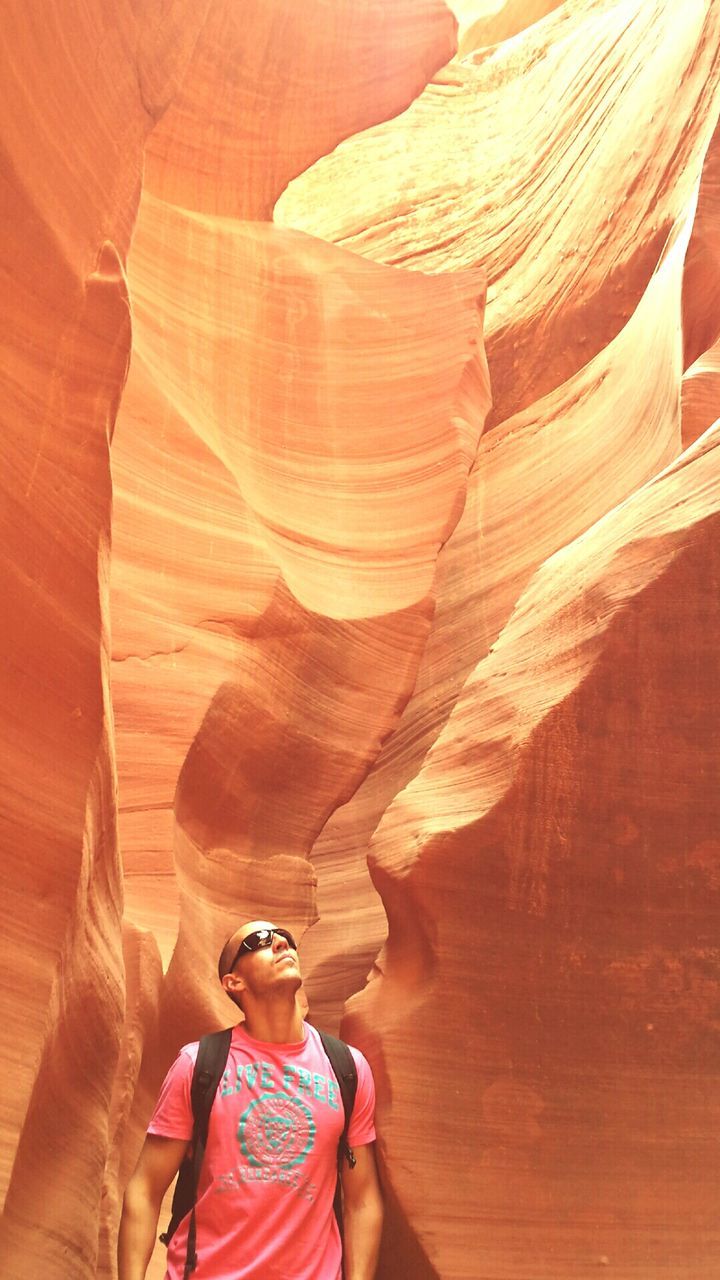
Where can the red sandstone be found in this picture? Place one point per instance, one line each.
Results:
(361, 489)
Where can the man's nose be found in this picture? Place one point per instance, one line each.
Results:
(279, 943)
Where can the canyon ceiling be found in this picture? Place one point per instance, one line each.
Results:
(360, 568)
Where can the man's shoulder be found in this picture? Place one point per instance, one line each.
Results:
(363, 1069)
(182, 1065)
(190, 1051)
(359, 1056)
(320, 1039)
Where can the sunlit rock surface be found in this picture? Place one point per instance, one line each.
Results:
(487, 22)
(287, 82)
(701, 315)
(558, 162)
(701, 323)
(355, 509)
(700, 394)
(432, 680)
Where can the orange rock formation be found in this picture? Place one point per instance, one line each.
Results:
(380, 596)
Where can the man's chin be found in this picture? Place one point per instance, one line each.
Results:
(289, 975)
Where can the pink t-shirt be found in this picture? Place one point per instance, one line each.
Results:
(265, 1201)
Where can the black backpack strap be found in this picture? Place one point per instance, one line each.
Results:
(343, 1064)
(207, 1074)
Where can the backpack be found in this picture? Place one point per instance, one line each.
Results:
(207, 1074)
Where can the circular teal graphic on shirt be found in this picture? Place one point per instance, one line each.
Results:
(276, 1131)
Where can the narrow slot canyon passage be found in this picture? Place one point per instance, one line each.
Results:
(360, 509)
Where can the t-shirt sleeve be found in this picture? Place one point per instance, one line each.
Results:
(362, 1123)
(172, 1117)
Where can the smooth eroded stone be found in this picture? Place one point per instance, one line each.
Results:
(74, 123)
(550, 875)
(558, 161)
(701, 395)
(190, 580)
(346, 618)
(346, 398)
(130, 1097)
(488, 22)
(540, 480)
(277, 752)
(274, 85)
(701, 314)
(701, 318)
(62, 972)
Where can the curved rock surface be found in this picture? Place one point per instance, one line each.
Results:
(701, 394)
(520, 509)
(571, 799)
(287, 83)
(619, 102)
(701, 326)
(131, 1097)
(178, 521)
(486, 22)
(354, 468)
(70, 200)
(441, 697)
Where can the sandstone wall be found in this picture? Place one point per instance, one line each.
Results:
(379, 596)
(78, 101)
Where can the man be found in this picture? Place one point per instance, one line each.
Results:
(265, 1198)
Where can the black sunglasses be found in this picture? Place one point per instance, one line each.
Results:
(261, 938)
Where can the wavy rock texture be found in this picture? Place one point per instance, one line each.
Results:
(701, 324)
(378, 378)
(130, 1098)
(181, 643)
(493, 545)
(519, 498)
(339, 468)
(352, 517)
(75, 115)
(701, 319)
(357, 620)
(598, 119)
(572, 800)
(178, 521)
(308, 77)
(701, 394)
(486, 22)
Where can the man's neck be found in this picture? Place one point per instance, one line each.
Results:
(274, 1021)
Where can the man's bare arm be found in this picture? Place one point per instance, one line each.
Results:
(159, 1161)
(362, 1214)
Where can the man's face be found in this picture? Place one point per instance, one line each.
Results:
(264, 969)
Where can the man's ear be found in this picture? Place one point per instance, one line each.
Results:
(233, 984)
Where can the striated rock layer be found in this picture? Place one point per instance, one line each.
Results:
(558, 162)
(184, 627)
(435, 683)
(572, 800)
(274, 85)
(76, 113)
